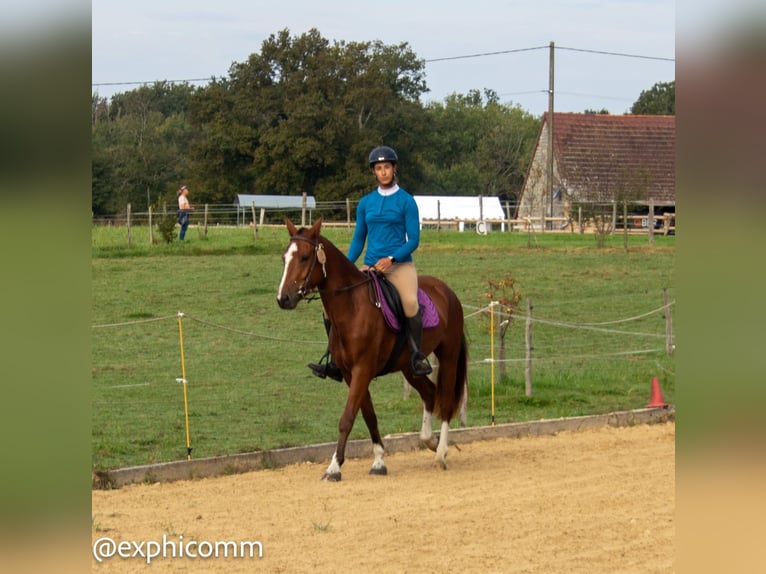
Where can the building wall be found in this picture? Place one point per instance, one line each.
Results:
(534, 197)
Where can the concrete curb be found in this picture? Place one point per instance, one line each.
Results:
(238, 463)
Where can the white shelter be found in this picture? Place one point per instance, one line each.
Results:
(462, 209)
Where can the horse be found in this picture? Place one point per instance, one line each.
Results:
(360, 342)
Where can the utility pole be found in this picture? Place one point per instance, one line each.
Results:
(549, 179)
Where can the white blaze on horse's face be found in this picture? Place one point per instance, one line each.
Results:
(289, 257)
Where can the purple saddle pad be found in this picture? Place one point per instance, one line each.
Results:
(428, 308)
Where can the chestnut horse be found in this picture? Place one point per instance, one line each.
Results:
(360, 342)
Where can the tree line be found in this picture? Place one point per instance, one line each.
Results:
(301, 116)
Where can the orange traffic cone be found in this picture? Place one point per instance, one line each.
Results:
(655, 400)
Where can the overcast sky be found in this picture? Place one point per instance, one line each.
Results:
(144, 40)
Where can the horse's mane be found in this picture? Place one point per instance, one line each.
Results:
(349, 266)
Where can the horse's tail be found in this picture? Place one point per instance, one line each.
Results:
(461, 378)
(449, 394)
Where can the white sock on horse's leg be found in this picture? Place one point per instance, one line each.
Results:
(441, 449)
(426, 430)
(334, 467)
(378, 465)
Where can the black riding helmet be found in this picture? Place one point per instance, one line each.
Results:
(383, 153)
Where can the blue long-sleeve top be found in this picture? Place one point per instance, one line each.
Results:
(389, 223)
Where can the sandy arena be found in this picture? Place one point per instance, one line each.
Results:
(591, 501)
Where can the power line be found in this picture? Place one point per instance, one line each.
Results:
(152, 82)
(432, 60)
(623, 55)
(482, 54)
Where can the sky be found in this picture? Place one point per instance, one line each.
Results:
(145, 41)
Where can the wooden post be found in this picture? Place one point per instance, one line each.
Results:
(503, 328)
(481, 207)
(303, 209)
(669, 347)
(151, 231)
(438, 215)
(206, 221)
(262, 218)
(650, 221)
(625, 224)
(255, 224)
(579, 219)
(528, 343)
(550, 158)
(614, 216)
(348, 214)
(508, 214)
(130, 236)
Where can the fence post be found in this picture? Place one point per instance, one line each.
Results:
(528, 344)
(130, 237)
(262, 218)
(579, 219)
(303, 209)
(255, 222)
(668, 323)
(614, 216)
(348, 214)
(650, 221)
(625, 224)
(206, 221)
(438, 215)
(151, 232)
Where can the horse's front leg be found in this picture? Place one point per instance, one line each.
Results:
(368, 412)
(356, 393)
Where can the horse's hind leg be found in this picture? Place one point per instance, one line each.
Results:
(441, 448)
(426, 390)
(368, 412)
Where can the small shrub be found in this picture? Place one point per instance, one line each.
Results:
(166, 225)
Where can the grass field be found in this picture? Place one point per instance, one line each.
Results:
(249, 388)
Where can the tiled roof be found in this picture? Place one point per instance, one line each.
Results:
(597, 153)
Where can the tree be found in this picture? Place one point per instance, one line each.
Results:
(300, 115)
(478, 145)
(660, 99)
(139, 148)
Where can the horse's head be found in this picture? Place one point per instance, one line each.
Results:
(304, 261)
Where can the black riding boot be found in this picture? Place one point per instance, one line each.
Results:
(418, 360)
(326, 367)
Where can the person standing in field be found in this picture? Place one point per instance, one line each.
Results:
(184, 207)
(387, 220)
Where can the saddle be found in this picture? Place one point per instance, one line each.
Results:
(386, 298)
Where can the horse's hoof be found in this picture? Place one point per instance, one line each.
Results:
(430, 444)
(331, 476)
(380, 471)
(443, 464)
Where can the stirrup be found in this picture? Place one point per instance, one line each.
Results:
(420, 364)
(326, 368)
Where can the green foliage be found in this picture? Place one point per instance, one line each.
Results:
(660, 99)
(166, 225)
(248, 385)
(299, 116)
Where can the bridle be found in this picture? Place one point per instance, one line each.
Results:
(319, 255)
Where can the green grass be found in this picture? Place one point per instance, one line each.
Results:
(248, 385)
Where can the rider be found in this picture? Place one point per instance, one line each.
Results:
(387, 219)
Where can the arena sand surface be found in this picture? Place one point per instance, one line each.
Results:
(592, 501)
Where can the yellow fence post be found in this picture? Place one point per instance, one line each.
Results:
(183, 381)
